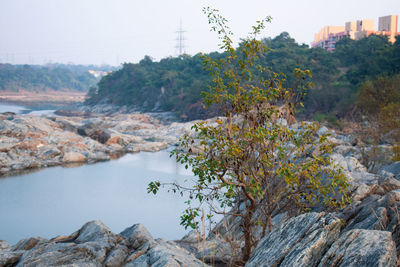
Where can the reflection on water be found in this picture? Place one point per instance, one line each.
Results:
(58, 201)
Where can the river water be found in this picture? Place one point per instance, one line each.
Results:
(58, 200)
(25, 110)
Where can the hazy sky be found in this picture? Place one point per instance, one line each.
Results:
(116, 31)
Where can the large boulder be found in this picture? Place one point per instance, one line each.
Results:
(300, 241)
(73, 157)
(137, 235)
(93, 231)
(96, 133)
(95, 245)
(362, 248)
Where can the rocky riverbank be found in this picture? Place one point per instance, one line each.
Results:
(29, 141)
(95, 245)
(365, 233)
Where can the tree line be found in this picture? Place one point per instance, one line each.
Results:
(175, 83)
(51, 77)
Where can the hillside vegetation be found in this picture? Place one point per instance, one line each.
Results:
(35, 78)
(175, 84)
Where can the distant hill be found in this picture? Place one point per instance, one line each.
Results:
(175, 84)
(55, 77)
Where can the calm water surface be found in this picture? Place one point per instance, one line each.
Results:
(13, 108)
(58, 201)
(25, 110)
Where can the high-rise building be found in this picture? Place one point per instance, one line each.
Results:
(329, 35)
(388, 26)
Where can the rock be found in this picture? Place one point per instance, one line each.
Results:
(96, 133)
(98, 156)
(193, 237)
(56, 254)
(362, 248)
(10, 258)
(46, 152)
(73, 157)
(152, 146)
(93, 231)
(117, 256)
(137, 235)
(362, 192)
(28, 243)
(4, 245)
(6, 146)
(95, 245)
(299, 241)
(323, 130)
(389, 184)
(29, 141)
(394, 168)
(166, 254)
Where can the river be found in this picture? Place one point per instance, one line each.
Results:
(25, 110)
(58, 200)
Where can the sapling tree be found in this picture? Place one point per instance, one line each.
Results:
(255, 161)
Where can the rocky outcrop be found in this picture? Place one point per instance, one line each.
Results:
(95, 245)
(365, 233)
(362, 248)
(28, 141)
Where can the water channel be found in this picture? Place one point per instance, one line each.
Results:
(59, 200)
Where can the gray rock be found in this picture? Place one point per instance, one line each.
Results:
(362, 248)
(93, 231)
(137, 235)
(323, 130)
(170, 254)
(4, 245)
(299, 241)
(394, 168)
(28, 243)
(389, 184)
(10, 258)
(117, 256)
(55, 254)
(141, 261)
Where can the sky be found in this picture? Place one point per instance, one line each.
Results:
(117, 31)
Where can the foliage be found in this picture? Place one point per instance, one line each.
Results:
(174, 84)
(375, 94)
(379, 103)
(252, 160)
(38, 78)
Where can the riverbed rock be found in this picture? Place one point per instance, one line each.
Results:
(96, 133)
(394, 168)
(300, 241)
(93, 231)
(10, 258)
(28, 243)
(362, 248)
(137, 235)
(29, 141)
(95, 245)
(4, 245)
(73, 157)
